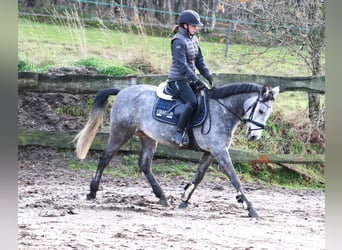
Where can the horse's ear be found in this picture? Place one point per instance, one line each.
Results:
(264, 91)
(275, 91)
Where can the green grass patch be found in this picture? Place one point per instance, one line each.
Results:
(78, 110)
(62, 44)
(104, 68)
(24, 65)
(265, 174)
(128, 167)
(275, 175)
(280, 176)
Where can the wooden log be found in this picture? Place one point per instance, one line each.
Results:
(309, 175)
(64, 140)
(27, 81)
(73, 84)
(308, 84)
(88, 84)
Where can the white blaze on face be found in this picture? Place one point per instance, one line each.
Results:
(260, 113)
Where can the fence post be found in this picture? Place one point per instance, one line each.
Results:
(227, 42)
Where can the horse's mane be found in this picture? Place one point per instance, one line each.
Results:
(233, 89)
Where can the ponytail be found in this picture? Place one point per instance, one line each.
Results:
(175, 29)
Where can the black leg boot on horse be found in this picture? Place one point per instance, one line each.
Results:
(184, 118)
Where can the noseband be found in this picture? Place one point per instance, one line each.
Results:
(250, 118)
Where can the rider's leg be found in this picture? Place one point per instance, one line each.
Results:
(186, 94)
(182, 122)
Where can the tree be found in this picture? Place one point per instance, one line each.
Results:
(297, 24)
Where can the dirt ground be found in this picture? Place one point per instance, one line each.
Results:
(53, 212)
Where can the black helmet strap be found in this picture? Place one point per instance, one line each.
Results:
(187, 29)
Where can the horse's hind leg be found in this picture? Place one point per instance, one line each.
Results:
(114, 143)
(105, 157)
(190, 188)
(149, 147)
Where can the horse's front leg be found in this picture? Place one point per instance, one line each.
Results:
(224, 160)
(190, 187)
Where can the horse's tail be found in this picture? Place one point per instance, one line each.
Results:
(86, 136)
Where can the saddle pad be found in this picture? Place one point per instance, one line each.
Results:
(164, 111)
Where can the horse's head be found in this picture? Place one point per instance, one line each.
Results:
(257, 110)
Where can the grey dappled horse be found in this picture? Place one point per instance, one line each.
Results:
(132, 115)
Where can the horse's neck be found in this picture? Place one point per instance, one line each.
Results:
(234, 105)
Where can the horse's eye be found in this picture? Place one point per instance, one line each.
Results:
(261, 112)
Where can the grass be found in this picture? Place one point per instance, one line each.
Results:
(128, 167)
(60, 44)
(270, 175)
(104, 68)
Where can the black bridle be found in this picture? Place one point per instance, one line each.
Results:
(245, 120)
(252, 107)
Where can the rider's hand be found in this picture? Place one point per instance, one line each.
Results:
(210, 80)
(200, 84)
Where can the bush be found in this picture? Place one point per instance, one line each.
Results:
(24, 66)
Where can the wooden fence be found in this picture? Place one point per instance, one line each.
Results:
(87, 84)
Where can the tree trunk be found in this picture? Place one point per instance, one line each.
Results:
(315, 48)
(314, 109)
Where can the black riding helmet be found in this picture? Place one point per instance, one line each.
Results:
(190, 17)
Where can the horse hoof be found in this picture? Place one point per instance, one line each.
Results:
(164, 203)
(183, 205)
(253, 213)
(91, 196)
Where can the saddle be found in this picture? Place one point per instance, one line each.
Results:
(168, 107)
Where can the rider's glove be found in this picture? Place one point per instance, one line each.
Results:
(200, 84)
(210, 80)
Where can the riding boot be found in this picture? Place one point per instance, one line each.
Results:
(183, 120)
(178, 136)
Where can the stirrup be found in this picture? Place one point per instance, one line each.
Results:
(180, 139)
(177, 138)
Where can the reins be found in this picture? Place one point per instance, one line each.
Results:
(245, 120)
(242, 120)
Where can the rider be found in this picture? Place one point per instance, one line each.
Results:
(186, 55)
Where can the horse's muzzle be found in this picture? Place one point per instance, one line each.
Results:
(252, 135)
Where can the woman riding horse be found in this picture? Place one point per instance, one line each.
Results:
(186, 55)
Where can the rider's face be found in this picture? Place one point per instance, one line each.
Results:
(192, 28)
